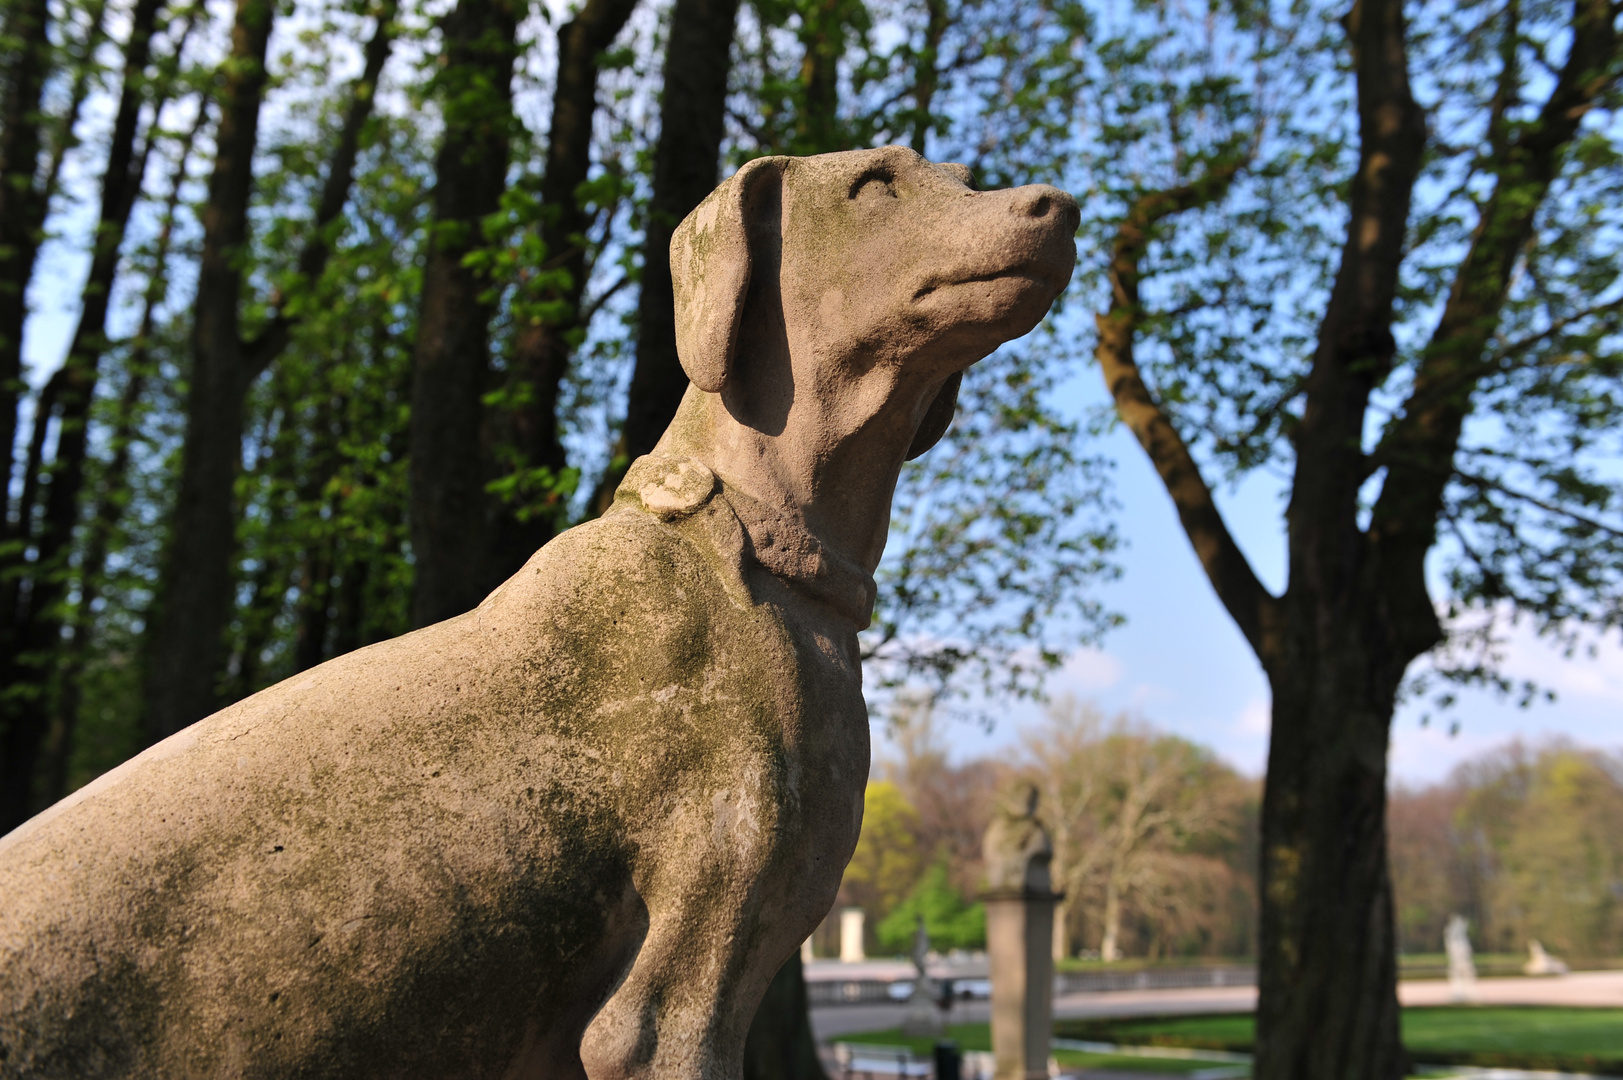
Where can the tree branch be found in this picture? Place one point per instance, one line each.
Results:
(1248, 602)
(269, 342)
(1422, 444)
(1483, 483)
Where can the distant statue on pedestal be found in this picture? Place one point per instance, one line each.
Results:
(1461, 968)
(923, 1018)
(1020, 901)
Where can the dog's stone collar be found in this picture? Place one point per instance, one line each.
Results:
(671, 488)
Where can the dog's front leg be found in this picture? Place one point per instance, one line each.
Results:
(685, 1007)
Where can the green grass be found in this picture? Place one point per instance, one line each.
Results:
(1523, 1036)
(979, 1037)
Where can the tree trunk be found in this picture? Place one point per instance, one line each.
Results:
(1327, 963)
(780, 1045)
(686, 169)
(525, 434)
(22, 204)
(22, 220)
(38, 630)
(85, 69)
(822, 36)
(450, 367)
(114, 493)
(195, 592)
(1109, 942)
(927, 72)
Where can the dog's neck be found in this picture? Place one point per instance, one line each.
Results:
(674, 487)
(831, 470)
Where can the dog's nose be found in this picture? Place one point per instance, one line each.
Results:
(1042, 201)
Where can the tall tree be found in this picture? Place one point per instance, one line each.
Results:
(28, 63)
(687, 162)
(451, 366)
(525, 442)
(195, 592)
(1366, 511)
(67, 400)
(780, 1044)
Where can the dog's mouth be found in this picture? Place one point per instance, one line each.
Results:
(1031, 274)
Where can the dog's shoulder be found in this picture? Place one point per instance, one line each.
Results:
(633, 561)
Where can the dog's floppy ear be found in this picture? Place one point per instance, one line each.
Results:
(938, 417)
(710, 273)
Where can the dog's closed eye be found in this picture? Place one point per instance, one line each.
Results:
(874, 184)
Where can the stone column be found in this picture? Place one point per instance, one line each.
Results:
(851, 950)
(1020, 937)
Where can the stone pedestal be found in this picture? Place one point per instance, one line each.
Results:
(1019, 943)
(851, 950)
(1020, 902)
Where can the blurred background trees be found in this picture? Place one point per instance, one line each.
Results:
(1154, 839)
(1525, 843)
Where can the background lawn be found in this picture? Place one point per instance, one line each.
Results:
(979, 1037)
(1525, 1036)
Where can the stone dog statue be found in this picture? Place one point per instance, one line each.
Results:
(575, 831)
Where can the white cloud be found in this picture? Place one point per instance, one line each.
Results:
(1254, 720)
(1089, 670)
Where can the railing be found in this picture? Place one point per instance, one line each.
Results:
(853, 991)
(882, 991)
(1080, 982)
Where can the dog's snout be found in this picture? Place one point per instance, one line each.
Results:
(1043, 201)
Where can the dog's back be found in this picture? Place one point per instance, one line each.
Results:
(435, 855)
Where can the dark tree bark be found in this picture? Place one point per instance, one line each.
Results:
(526, 432)
(450, 367)
(1356, 611)
(31, 646)
(780, 1045)
(927, 72)
(686, 169)
(194, 594)
(194, 599)
(822, 36)
(65, 136)
(113, 494)
(22, 202)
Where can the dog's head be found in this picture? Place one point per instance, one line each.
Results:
(871, 279)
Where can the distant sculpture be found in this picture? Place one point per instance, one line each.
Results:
(1540, 962)
(1461, 968)
(1016, 849)
(923, 1018)
(575, 831)
(1020, 903)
